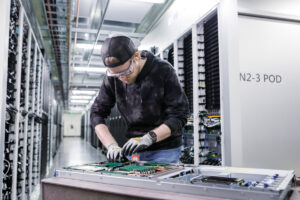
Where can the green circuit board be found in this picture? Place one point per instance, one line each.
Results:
(130, 168)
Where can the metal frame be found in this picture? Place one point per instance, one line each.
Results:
(17, 120)
(51, 108)
(85, 125)
(175, 56)
(26, 108)
(4, 26)
(41, 113)
(36, 143)
(32, 120)
(49, 127)
(195, 93)
(106, 32)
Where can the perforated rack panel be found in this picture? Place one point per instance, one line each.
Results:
(171, 56)
(188, 69)
(212, 76)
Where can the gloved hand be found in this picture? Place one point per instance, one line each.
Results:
(114, 153)
(137, 144)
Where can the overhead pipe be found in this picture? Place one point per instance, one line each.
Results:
(98, 35)
(55, 54)
(69, 41)
(75, 37)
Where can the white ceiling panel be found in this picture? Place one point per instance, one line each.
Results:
(85, 7)
(127, 11)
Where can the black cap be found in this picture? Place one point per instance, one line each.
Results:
(121, 47)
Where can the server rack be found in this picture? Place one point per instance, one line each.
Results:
(210, 126)
(115, 124)
(196, 60)
(21, 127)
(45, 115)
(90, 135)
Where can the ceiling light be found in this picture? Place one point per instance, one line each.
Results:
(86, 92)
(81, 97)
(76, 108)
(151, 1)
(88, 46)
(79, 101)
(90, 69)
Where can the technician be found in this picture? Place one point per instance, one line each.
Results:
(149, 98)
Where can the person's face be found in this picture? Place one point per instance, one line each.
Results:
(127, 73)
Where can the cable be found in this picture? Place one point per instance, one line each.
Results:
(8, 167)
(211, 122)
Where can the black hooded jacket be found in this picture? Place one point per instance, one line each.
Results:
(155, 98)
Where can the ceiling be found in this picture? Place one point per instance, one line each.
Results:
(96, 20)
(73, 31)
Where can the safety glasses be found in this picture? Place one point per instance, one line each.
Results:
(127, 71)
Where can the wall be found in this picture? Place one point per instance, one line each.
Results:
(178, 19)
(230, 87)
(289, 8)
(72, 124)
(270, 109)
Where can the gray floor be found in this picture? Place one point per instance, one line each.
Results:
(73, 151)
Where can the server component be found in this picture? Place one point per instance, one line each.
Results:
(225, 182)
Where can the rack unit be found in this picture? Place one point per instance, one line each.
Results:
(196, 60)
(90, 135)
(52, 128)
(114, 122)
(168, 54)
(210, 126)
(22, 126)
(117, 125)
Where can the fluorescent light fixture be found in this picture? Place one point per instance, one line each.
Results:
(90, 69)
(76, 109)
(84, 92)
(88, 46)
(82, 97)
(79, 101)
(151, 1)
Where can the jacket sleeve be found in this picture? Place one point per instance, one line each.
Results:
(102, 105)
(176, 104)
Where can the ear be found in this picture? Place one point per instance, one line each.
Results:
(137, 55)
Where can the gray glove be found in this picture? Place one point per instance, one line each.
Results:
(114, 153)
(137, 144)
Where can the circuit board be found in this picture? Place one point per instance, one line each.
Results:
(129, 168)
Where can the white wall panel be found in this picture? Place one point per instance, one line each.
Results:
(72, 124)
(277, 7)
(270, 111)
